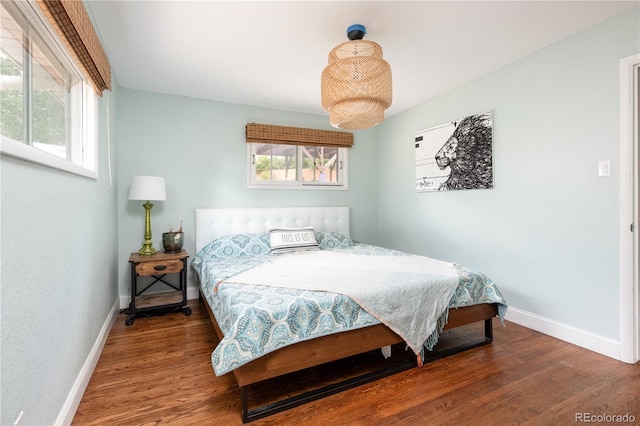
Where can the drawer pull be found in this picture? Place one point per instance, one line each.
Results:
(160, 267)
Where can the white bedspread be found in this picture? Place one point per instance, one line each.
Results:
(406, 293)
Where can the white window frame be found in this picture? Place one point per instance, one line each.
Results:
(341, 185)
(83, 132)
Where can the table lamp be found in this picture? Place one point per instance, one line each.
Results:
(147, 188)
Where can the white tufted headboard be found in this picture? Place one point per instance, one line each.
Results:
(213, 223)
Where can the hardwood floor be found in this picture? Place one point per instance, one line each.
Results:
(159, 371)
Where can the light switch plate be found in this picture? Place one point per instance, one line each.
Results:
(604, 168)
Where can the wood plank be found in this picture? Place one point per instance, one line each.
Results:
(469, 314)
(159, 371)
(158, 299)
(159, 256)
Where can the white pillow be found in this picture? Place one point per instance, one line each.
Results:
(292, 239)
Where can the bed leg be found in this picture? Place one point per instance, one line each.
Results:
(479, 341)
(243, 399)
(488, 329)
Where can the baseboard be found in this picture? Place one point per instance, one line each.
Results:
(72, 402)
(585, 339)
(192, 293)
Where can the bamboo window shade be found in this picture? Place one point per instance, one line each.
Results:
(283, 135)
(72, 23)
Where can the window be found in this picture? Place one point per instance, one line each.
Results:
(295, 157)
(276, 165)
(48, 111)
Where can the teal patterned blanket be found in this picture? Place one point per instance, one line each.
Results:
(257, 319)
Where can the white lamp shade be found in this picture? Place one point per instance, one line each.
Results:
(148, 188)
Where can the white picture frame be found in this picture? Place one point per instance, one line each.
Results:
(456, 155)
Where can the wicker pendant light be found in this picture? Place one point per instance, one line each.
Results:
(356, 85)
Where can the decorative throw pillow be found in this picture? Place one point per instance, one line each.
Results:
(333, 240)
(292, 239)
(236, 245)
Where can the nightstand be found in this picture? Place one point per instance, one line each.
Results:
(157, 267)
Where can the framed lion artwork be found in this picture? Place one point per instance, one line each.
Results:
(456, 155)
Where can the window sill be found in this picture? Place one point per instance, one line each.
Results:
(310, 187)
(21, 151)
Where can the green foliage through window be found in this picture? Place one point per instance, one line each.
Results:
(290, 164)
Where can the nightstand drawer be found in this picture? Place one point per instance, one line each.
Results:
(158, 268)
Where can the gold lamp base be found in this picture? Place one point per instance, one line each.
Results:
(147, 246)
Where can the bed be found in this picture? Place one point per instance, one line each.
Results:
(233, 245)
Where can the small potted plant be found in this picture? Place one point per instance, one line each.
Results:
(173, 240)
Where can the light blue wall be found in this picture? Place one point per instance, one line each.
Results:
(548, 231)
(199, 147)
(59, 278)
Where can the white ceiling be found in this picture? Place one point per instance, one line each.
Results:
(271, 53)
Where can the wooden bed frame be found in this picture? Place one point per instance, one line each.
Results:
(212, 223)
